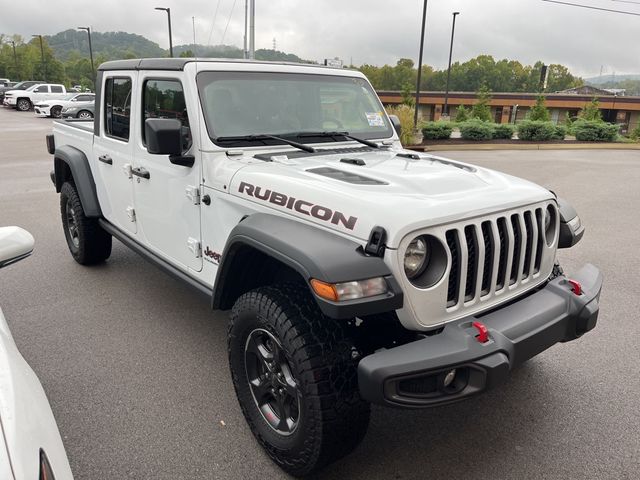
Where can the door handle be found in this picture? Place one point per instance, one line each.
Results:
(140, 172)
(106, 159)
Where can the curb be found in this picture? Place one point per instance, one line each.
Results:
(526, 146)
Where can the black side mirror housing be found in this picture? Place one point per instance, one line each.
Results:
(164, 137)
(397, 126)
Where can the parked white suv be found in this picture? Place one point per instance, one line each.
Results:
(53, 108)
(24, 100)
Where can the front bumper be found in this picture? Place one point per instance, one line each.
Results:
(413, 375)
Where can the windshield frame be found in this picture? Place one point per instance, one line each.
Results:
(205, 77)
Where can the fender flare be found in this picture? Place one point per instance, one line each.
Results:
(78, 164)
(312, 253)
(571, 228)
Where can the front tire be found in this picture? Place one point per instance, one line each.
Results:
(87, 241)
(295, 374)
(23, 104)
(85, 114)
(56, 111)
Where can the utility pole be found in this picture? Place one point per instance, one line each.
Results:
(93, 70)
(424, 21)
(15, 56)
(195, 49)
(446, 95)
(168, 10)
(44, 64)
(252, 29)
(246, 20)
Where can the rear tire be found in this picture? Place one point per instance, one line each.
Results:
(23, 104)
(87, 241)
(305, 408)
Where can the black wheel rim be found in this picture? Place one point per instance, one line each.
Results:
(72, 225)
(273, 387)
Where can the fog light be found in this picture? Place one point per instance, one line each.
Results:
(449, 377)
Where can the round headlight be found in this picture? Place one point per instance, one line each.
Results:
(415, 257)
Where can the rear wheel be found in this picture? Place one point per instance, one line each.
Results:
(55, 111)
(87, 241)
(295, 374)
(23, 104)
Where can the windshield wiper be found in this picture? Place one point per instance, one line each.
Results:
(264, 136)
(368, 143)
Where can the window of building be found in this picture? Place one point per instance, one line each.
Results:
(165, 99)
(117, 111)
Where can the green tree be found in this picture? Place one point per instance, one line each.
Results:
(462, 114)
(591, 111)
(539, 111)
(481, 109)
(407, 95)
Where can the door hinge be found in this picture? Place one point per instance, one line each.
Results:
(126, 168)
(131, 213)
(194, 247)
(193, 194)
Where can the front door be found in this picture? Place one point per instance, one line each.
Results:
(167, 203)
(40, 94)
(113, 153)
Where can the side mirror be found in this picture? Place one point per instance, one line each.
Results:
(397, 126)
(15, 244)
(164, 137)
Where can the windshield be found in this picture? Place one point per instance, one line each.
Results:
(241, 104)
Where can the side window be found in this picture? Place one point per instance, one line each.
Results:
(56, 89)
(84, 98)
(117, 107)
(41, 89)
(165, 99)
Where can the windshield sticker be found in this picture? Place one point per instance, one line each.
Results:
(375, 119)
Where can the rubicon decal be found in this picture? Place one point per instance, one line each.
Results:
(302, 206)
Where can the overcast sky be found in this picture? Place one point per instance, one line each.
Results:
(367, 31)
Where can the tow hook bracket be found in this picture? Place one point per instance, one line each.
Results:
(483, 333)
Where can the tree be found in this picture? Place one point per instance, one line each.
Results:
(462, 114)
(539, 112)
(407, 95)
(591, 111)
(481, 109)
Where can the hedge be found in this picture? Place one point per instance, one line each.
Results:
(436, 130)
(476, 130)
(594, 131)
(503, 131)
(536, 131)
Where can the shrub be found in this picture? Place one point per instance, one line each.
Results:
(481, 110)
(595, 131)
(475, 129)
(559, 132)
(462, 114)
(436, 130)
(503, 130)
(533, 131)
(591, 112)
(539, 112)
(635, 133)
(405, 114)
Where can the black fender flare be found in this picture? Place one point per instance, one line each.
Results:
(78, 165)
(313, 253)
(571, 228)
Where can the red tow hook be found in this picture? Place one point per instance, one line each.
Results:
(483, 333)
(575, 286)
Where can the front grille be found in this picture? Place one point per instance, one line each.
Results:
(491, 255)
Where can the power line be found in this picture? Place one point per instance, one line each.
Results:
(215, 14)
(228, 21)
(592, 8)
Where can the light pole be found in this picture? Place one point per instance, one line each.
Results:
(446, 95)
(93, 72)
(42, 53)
(15, 56)
(424, 21)
(168, 10)
(252, 29)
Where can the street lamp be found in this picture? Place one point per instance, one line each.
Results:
(93, 72)
(42, 53)
(168, 10)
(424, 20)
(446, 95)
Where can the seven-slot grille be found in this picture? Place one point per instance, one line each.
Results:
(490, 256)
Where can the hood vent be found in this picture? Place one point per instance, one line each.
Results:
(347, 177)
(319, 151)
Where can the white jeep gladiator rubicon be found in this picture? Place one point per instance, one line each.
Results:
(356, 272)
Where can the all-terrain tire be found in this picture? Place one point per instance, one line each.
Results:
(87, 241)
(332, 417)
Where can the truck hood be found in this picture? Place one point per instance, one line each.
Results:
(351, 193)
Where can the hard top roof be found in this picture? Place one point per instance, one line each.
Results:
(177, 64)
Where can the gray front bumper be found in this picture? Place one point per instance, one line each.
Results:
(411, 375)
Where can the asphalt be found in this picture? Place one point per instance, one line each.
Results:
(134, 363)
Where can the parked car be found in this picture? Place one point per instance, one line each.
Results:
(18, 86)
(356, 271)
(30, 443)
(53, 108)
(24, 100)
(84, 110)
(4, 81)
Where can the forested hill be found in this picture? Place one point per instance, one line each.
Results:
(110, 45)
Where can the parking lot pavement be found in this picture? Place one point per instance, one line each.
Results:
(135, 364)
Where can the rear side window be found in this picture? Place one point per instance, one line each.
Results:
(56, 89)
(84, 98)
(117, 107)
(165, 99)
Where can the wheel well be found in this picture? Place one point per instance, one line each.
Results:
(249, 268)
(62, 173)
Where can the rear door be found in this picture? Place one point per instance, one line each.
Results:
(57, 92)
(167, 203)
(113, 151)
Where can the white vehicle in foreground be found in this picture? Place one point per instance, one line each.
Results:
(356, 272)
(30, 443)
(23, 100)
(53, 108)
